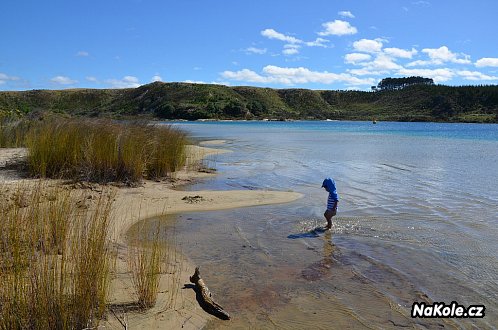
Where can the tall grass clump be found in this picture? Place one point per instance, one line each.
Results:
(145, 263)
(54, 148)
(167, 151)
(103, 150)
(55, 260)
(13, 132)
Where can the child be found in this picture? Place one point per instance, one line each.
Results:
(329, 185)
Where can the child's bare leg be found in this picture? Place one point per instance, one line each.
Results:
(328, 217)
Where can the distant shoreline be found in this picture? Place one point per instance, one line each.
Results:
(155, 120)
(186, 101)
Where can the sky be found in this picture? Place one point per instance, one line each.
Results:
(314, 44)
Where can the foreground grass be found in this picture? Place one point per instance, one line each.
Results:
(104, 151)
(55, 260)
(145, 262)
(55, 257)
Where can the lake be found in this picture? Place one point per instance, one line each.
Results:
(417, 221)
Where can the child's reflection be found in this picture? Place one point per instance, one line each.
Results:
(322, 267)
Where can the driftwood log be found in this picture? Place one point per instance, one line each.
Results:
(205, 297)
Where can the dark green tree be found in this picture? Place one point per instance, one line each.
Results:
(234, 109)
(399, 83)
(165, 111)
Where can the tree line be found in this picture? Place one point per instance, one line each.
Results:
(399, 83)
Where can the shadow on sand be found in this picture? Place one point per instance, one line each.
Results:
(309, 234)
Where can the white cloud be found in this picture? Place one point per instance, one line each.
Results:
(383, 62)
(368, 45)
(475, 75)
(440, 54)
(82, 53)
(291, 76)
(346, 13)
(244, 75)
(487, 61)
(319, 42)
(420, 63)
(92, 79)
(292, 42)
(62, 80)
(355, 58)
(156, 78)
(254, 50)
(291, 49)
(337, 28)
(353, 88)
(439, 75)
(443, 54)
(5, 78)
(204, 83)
(401, 53)
(195, 82)
(304, 75)
(125, 82)
(367, 72)
(422, 3)
(272, 34)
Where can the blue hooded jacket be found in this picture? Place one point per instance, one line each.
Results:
(329, 183)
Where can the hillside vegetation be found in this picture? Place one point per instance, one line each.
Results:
(418, 102)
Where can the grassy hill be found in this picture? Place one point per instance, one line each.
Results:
(203, 101)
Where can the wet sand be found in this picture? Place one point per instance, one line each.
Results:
(176, 307)
(321, 284)
(417, 222)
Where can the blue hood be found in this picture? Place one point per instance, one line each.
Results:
(329, 183)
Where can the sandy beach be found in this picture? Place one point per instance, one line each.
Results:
(175, 307)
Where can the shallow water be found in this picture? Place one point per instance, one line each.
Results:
(417, 221)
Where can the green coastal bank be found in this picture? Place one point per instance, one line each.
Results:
(391, 100)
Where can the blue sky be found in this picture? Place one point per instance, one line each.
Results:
(280, 44)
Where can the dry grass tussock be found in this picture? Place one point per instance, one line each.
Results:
(104, 150)
(146, 262)
(55, 259)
